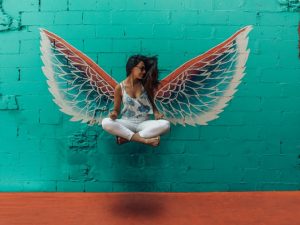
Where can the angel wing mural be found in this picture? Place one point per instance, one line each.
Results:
(194, 93)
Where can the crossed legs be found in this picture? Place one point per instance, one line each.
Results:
(146, 132)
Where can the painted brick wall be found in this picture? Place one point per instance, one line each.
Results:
(254, 145)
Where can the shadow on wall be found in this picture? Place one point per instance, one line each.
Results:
(130, 167)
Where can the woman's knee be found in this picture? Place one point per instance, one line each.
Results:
(165, 125)
(107, 124)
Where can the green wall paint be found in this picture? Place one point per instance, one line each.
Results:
(254, 145)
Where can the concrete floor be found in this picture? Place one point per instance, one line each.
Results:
(207, 208)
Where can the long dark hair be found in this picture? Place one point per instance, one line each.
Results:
(150, 80)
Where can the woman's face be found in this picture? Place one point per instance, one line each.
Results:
(139, 71)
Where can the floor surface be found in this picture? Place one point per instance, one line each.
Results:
(207, 208)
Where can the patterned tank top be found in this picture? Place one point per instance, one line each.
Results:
(135, 107)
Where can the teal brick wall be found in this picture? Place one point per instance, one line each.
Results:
(253, 146)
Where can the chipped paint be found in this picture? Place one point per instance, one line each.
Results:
(290, 5)
(7, 22)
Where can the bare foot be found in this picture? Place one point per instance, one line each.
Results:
(121, 140)
(153, 141)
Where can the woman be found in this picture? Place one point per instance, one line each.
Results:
(136, 93)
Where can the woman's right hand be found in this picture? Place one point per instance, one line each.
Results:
(113, 115)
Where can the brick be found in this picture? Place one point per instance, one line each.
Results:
(235, 5)
(257, 5)
(54, 5)
(172, 146)
(213, 17)
(100, 161)
(74, 32)
(288, 176)
(23, 5)
(196, 176)
(196, 32)
(141, 187)
(280, 75)
(242, 18)
(37, 18)
(201, 5)
(286, 161)
(278, 186)
(50, 116)
(213, 132)
(237, 160)
(8, 102)
(170, 5)
(24, 88)
(136, 4)
(10, 47)
(120, 16)
(9, 75)
(88, 4)
(289, 62)
(266, 118)
(130, 46)
(290, 118)
(98, 45)
(97, 17)
(288, 48)
(272, 19)
(292, 19)
(197, 162)
(8, 132)
(242, 187)
(152, 46)
(185, 17)
(30, 129)
(10, 61)
(223, 32)
(228, 118)
(180, 132)
(136, 31)
(199, 187)
(229, 175)
(31, 74)
(69, 186)
(118, 73)
(195, 47)
(39, 186)
(270, 89)
(110, 31)
(31, 46)
(238, 104)
(112, 60)
(154, 17)
(12, 186)
(68, 17)
(248, 132)
(54, 173)
(167, 31)
(268, 32)
(92, 186)
(30, 60)
(273, 61)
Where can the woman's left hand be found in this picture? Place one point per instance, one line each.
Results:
(158, 115)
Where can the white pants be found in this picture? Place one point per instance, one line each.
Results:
(127, 128)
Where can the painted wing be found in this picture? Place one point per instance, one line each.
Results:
(199, 90)
(79, 86)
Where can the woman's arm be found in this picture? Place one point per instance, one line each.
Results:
(117, 102)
